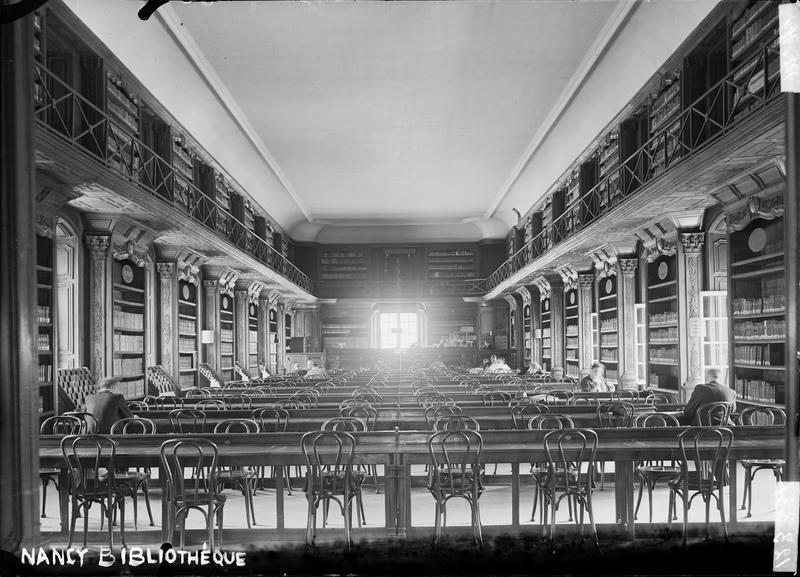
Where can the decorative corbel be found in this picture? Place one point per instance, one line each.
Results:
(128, 252)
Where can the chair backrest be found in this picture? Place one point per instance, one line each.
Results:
(265, 390)
(657, 399)
(704, 455)
(629, 395)
(373, 399)
(644, 420)
(583, 400)
(347, 424)
(329, 458)
(183, 421)
(294, 404)
(90, 464)
(496, 398)
(197, 454)
(88, 418)
(761, 416)
(138, 426)
(547, 421)
(197, 394)
(456, 423)
(236, 426)
(716, 414)
(62, 425)
(569, 451)
(167, 403)
(243, 402)
(437, 411)
(210, 405)
(558, 397)
(367, 414)
(616, 414)
(455, 462)
(271, 419)
(137, 405)
(347, 403)
(521, 414)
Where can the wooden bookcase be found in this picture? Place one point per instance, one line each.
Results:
(572, 340)
(345, 264)
(754, 28)
(608, 165)
(129, 326)
(226, 355)
(758, 323)
(122, 108)
(222, 196)
(187, 334)
(287, 332)
(252, 338)
(449, 268)
(183, 165)
(527, 334)
(547, 352)
(608, 318)
(663, 327)
(273, 339)
(444, 322)
(45, 332)
(665, 109)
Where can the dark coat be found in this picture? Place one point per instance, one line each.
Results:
(704, 394)
(108, 408)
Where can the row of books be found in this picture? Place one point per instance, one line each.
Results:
(743, 20)
(663, 318)
(131, 389)
(226, 335)
(756, 390)
(608, 340)
(756, 355)
(664, 334)
(43, 314)
(128, 343)
(669, 354)
(226, 349)
(450, 253)
(656, 380)
(185, 362)
(128, 366)
(768, 304)
(770, 328)
(608, 355)
(572, 330)
(45, 373)
(187, 326)
(611, 324)
(125, 320)
(546, 332)
(43, 342)
(572, 342)
(546, 343)
(187, 344)
(751, 32)
(187, 381)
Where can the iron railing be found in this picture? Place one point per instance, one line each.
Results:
(62, 111)
(750, 87)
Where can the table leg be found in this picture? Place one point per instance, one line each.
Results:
(515, 494)
(390, 496)
(624, 492)
(63, 499)
(162, 476)
(732, 498)
(279, 503)
(403, 498)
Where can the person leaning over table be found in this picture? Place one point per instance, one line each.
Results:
(595, 381)
(107, 406)
(316, 372)
(714, 391)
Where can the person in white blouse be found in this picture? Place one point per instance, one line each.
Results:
(316, 372)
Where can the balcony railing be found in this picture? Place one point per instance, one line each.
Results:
(62, 111)
(748, 88)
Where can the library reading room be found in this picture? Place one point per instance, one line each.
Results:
(398, 288)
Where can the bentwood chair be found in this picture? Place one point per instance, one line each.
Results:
(242, 478)
(199, 493)
(652, 472)
(90, 467)
(167, 403)
(752, 417)
(613, 415)
(713, 414)
(61, 425)
(329, 459)
(187, 421)
(456, 423)
(89, 420)
(438, 411)
(580, 399)
(136, 406)
(209, 405)
(570, 467)
(704, 458)
(197, 394)
(135, 480)
(349, 425)
(496, 399)
(521, 414)
(273, 420)
(240, 402)
(455, 473)
(539, 470)
(370, 417)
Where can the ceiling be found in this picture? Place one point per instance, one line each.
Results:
(392, 113)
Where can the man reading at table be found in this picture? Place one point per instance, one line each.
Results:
(713, 391)
(107, 406)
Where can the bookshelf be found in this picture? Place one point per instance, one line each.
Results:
(345, 329)
(715, 331)
(754, 28)
(252, 338)
(122, 108)
(662, 323)
(758, 324)
(225, 337)
(129, 305)
(222, 196)
(187, 334)
(572, 340)
(641, 344)
(183, 175)
(608, 166)
(665, 109)
(547, 353)
(349, 264)
(273, 339)
(608, 318)
(527, 334)
(445, 324)
(45, 327)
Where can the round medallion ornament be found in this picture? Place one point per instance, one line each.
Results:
(572, 298)
(757, 240)
(252, 311)
(127, 273)
(663, 270)
(609, 286)
(225, 302)
(185, 292)
(547, 305)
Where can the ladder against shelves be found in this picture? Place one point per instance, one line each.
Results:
(226, 344)
(608, 319)
(547, 346)
(73, 387)
(757, 305)
(129, 302)
(187, 333)
(46, 333)
(572, 339)
(252, 339)
(663, 329)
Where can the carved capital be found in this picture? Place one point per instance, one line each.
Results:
(692, 242)
(627, 266)
(98, 244)
(45, 226)
(165, 269)
(586, 280)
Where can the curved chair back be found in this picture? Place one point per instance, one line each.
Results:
(196, 454)
(704, 456)
(138, 426)
(241, 402)
(658, 399)
(62, 425)
(187, 421)
(655, 420)
(496, 398)
(435, 412)
(90, 465)
(546, 421)
(615, 415)
(368, 415)
(583, 400)
(374, 399)
(346, 424)
(348, 403)
(265, 390)
(455, 463)
(761, 416)
(456, 423)
(210, 405)
(625, 395)
(236, 426)
(197, 394)
(271, 419)
(713, 414)
(89, 420)
(167, 403)
(137, 406)
(329, 458)
(571, 455)
(521, 414)
(558, 397)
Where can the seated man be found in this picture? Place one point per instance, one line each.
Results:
(595, 381)
(107, 406)
(713, 391)
(316, 372)
(499, 366)
(532, 369)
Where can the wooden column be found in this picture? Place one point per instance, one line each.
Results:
(626, 309)
(792, 268)
(585, 300)
(19, 395)
(240, 309)
(281, 368)
(557, 325)
(99, 317)
(692, 282)
(210, 321)
(168, 319)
